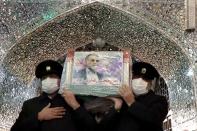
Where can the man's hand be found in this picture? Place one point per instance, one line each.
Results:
(70, 99)
(127, 94)
(117, 102)
(48, 113)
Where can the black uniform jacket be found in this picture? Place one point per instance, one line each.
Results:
(145, 114)
(73, 120)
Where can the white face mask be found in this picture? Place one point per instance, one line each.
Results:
(50, 85)
(139, 86)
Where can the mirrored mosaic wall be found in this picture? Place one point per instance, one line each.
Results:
(152, 29)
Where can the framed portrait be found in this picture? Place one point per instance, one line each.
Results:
(97, 73)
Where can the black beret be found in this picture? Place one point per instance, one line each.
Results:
(144, 70)
(48, 67)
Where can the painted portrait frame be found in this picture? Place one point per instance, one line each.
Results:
(111, 71)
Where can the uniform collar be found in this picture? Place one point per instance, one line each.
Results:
(44, 96)
(150, 92)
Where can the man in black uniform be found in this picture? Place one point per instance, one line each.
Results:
(143, 109)
(51, 111)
